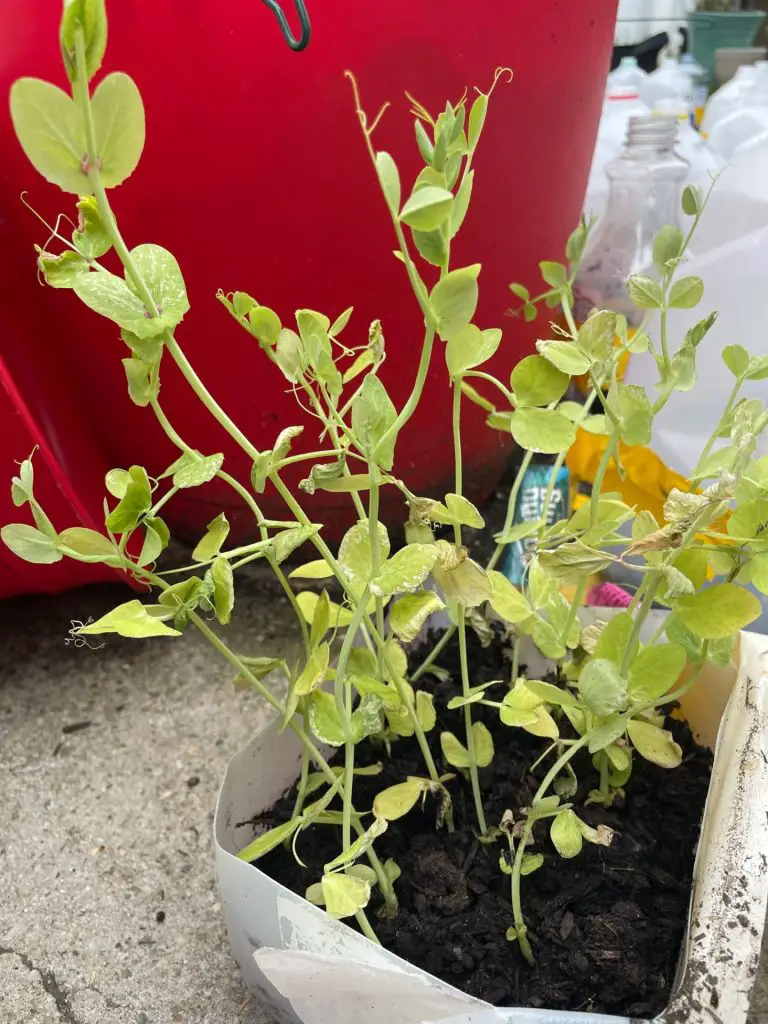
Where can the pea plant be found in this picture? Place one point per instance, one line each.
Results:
(353, 681)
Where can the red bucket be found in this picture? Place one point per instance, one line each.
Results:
(255, 176)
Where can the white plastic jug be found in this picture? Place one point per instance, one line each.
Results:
(628, 74)
(667, 82)
(728, 97)
(744, 123)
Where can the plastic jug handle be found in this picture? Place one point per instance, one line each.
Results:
(294, 43)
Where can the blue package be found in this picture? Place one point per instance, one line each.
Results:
(529, 508)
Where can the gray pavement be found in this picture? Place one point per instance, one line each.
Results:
(109, 765)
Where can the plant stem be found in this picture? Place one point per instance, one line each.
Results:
(726, 413)
(605, 461)
(461, 625)
(654, 582)
(434, 653)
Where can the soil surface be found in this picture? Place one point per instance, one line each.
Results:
(605, 927)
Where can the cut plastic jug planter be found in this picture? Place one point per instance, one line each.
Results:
(310, 969)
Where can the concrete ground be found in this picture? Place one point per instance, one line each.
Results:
(109, 765)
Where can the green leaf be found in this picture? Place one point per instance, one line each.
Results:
(389, 179)
(423, 141)
(736, 358)
(470, 347)
(344, 894)
(355, 555)
(406, 570)
(718, 611)
(223, 589)
(265, 325)
(635, 414)
(454, 300)
(307, 602)
(289, 355)
(162, 276)
(476, 120)
(602, 687)
(130, 619)
(597, 334)
(554, 274)
(457, 511)
(506, 600)
(455, 753)
(691, 200)
(535, 381)
(316, 570)
(30, 544)
(136, 500)
(243, 303)
(531, 862)
(461, 204)
(644, 291)
(268, 841)
(61, 271)
(427, 208)
(758, 368)
(606, 732)
(324, 718)
(425, 710)
(118, 121)
(686, 293)
(566, 835)
(550, 693)
(654, 671)
(466, 583)
(572, 562)
(432, 246)
(141, 387)
(542, 430)
(564, 356)
(614, 638)
(408, 614)
(193, 469)
(153, 543)
(396, 801)
(49, 127)
(358, 848)
(667, 245)
(90, 16)
(209, 545)
(314, 672)
(373, 414)
(654, 744)
(87, 545)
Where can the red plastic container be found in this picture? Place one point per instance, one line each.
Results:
(256, 177)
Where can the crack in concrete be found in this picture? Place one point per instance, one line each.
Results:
(49, 983)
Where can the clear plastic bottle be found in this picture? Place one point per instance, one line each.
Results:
(699, 80)
(645, 186)
(620, 105)
(668, 81)
(628, 73)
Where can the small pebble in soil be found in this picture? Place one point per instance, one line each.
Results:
(193, 780)
(160, 916)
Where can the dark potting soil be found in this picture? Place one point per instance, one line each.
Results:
(605, 927)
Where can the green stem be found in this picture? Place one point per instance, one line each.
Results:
(512, 505)
(726, 413)
(605, 461)
(654, 582)
(491, 380)
(434, 654)
(461, 625)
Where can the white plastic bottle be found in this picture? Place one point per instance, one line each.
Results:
(729, 96)
(627, 74)
(743, 124)
(667, 82)
(699, 80)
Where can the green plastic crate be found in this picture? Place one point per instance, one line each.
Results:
(715, 30)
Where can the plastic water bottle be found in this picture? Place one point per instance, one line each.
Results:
(704, 162)
(627, 74)
(667, 82)
(620, 105)
(699, 80)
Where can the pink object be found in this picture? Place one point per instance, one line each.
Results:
(608, 595)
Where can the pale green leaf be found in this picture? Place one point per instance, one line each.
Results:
(566, 835)
(396, 801)
(408, 614)
(667, 245)
(635, 413)
(467, 583)
(307, 602)
(314, 672)
(389, 179)
(454, 300)
(265, 325)
(602, 687)
(597, 334)
(470, 347)
(130, 619)
(193, 469)
(268, 841)
(644, 291)
(432, 246)
(289, 354)
(30, 544)
(483, 744)
(461, 204)
(605, 732)
(136, 500)
(425, 710)
(118, 121)
(223, 589)
(363, 843)
(718, 611)
(476, 120)
(686, 293)
(373, 415)
(344, 894)
(654, 744)
(61, 271)
(87, 545)
(506, 600)
(654, 670)
(406, 570)
(542, 430)
(565, 356)
(317, 570)
(90, 17)
(355, 554)
(366, 718)
(427, 208)
(161, 274)
(550, 693)
(324, 718)
(614, 638)
(531, 862)
(736, 358)
(209, 545)
(49, 127)
(457, 511)
(536, 381)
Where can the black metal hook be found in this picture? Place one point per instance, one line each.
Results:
(285, 28)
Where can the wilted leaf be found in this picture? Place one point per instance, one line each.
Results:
(654, 744)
